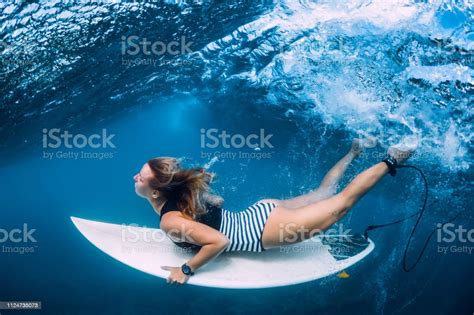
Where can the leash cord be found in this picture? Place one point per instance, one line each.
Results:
(420, 213)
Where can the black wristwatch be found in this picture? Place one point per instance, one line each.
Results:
(187, 270)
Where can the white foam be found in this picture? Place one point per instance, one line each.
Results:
(438, 74)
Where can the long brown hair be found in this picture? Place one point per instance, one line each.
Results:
(186, 186)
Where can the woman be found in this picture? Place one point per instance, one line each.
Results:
(194, 219)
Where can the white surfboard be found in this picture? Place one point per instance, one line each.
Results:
(148, 249)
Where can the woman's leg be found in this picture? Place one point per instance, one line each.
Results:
(328, 186)
(287, 226)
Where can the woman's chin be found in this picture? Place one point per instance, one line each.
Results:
(138, 193)
(144, 196)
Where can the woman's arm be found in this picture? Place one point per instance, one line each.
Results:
(212, 242)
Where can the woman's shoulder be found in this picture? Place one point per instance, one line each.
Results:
(172, 219)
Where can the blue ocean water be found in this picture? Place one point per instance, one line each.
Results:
(314, 74)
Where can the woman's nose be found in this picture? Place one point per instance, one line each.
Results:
(135, 178)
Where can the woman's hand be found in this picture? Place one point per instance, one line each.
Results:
(176, 276)
(214, 200)
(212, 242)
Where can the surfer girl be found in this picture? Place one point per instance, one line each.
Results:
(194, 219)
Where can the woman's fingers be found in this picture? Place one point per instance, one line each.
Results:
(173, 281)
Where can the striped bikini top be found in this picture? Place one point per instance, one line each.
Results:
(211, 218)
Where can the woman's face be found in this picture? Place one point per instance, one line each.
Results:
(142, 179)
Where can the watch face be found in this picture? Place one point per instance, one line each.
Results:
(186, 269)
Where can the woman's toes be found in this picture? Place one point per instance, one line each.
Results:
(369, 142)
(357, 146)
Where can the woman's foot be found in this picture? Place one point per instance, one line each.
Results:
(358, 145)
(400, 152)
(397, 154)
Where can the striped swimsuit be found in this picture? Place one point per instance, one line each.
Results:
(244, 229)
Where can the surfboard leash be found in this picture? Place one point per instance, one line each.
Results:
(420, 213)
